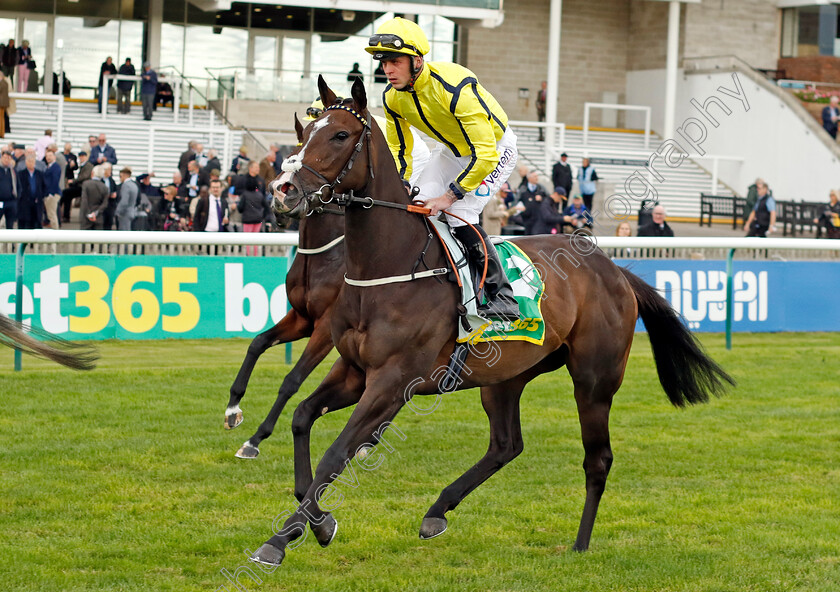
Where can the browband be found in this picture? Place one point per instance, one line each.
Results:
(350, 110)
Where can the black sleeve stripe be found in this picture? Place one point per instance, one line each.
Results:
(401, 154)
(446, 85)
(467, 170)
(473, 158)
(456, 93)
(454, 90)
(490, 114)
(437, 134)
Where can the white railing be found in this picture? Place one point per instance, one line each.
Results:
(124, 237)
(59, 124)
(89, 237)
(587, 107)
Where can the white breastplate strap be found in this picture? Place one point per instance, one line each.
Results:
(397, 278)
(326, 247)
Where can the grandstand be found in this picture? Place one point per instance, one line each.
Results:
(142, 145)
(616, 155)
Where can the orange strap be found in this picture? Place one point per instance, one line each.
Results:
(426, 211)
(448, 255)
(418, 210)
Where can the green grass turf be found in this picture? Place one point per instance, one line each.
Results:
(123, 479)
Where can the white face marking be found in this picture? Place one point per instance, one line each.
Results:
(293, 163)
(316, 127)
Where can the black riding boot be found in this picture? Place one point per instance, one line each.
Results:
(499, 295)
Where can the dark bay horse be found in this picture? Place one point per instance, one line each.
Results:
(312, 286)
(43, 344)
(393, 337)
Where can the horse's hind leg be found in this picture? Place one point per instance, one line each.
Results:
(501, 403)
(290, 328)
(316, 350)
(597, 377)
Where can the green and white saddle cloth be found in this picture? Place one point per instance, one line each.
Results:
(528, 289)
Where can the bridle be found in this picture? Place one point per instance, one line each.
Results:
(347, 199)
(364, 137)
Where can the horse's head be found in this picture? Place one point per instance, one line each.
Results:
(331, 157)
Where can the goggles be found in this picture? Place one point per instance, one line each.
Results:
(314, 112)
(390, 41)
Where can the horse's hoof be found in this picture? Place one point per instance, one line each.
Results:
(233, 417)
(432, 527)
(248, 450)
(268, 555)
(326, 531)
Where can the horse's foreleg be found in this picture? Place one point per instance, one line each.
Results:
(501, 403)
(290, 328)
(342, 387)
(319, 345)
(372, 416)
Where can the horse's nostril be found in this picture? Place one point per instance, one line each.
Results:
(286, 187)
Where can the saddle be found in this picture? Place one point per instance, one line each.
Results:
(473, 328)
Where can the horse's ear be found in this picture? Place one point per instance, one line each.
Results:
(298, 128)
(327, 96)
(359, 95)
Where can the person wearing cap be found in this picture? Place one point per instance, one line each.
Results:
(148, 89)
(561, 174)
(548, 216)
(577, 214)
(18, 152)
(475, 151)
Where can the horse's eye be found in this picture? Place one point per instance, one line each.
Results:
(342, 136)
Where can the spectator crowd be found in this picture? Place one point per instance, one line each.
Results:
(40, 184)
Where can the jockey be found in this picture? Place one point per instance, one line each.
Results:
(475, 153)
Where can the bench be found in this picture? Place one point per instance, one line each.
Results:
(798, 216)
(722, 205)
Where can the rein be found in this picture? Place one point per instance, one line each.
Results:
(323, 249)
(346, 199)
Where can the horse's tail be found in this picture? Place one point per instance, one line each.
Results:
(686, 373)
(72, 355)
